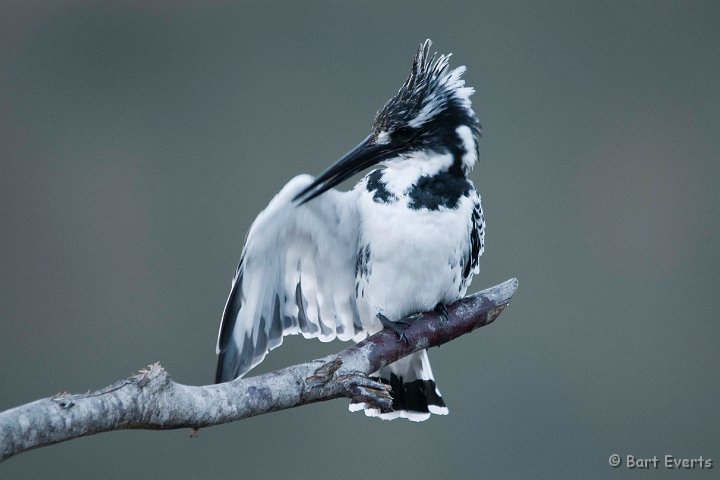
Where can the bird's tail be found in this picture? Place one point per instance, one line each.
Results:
(414, 393)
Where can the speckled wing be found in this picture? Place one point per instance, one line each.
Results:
(296, 275)
(477, 238)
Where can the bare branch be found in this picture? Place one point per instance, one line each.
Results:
(151, 400)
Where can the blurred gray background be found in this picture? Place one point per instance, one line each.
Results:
(138, 140)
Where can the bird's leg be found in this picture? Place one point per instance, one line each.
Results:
(369, 390)
(356, 385)
(395, 327)
(442, 310)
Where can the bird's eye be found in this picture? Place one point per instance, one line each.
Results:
(403, 134)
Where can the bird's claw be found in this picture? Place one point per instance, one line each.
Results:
(369, 390)
(395, 327)
(442, 310)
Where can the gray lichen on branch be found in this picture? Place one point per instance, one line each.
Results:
(152, 400)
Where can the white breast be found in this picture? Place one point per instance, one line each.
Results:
(416, 256)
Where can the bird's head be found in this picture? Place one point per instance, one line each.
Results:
(430, 114)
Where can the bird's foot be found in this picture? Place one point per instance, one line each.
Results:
(442, 310)
(363, 389)
(395, 327)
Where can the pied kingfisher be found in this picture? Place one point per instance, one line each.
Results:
(407, 239)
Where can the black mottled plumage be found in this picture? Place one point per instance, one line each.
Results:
(377, 187)
(443, 189)
(477, 240)
(362, 262)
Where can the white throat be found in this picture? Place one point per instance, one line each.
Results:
(403, 172)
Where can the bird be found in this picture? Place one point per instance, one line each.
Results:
(332, 264)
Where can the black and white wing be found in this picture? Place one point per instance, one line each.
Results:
(477, 237)
(476, 245)
(296, 275)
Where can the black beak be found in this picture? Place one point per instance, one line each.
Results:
(359, 158)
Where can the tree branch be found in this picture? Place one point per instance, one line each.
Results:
(151, 400)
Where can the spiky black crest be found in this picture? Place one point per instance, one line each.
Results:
(431, 90)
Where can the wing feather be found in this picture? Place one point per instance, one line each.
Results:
(296, 275)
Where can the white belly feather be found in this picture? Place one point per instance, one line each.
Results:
(416, 257)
